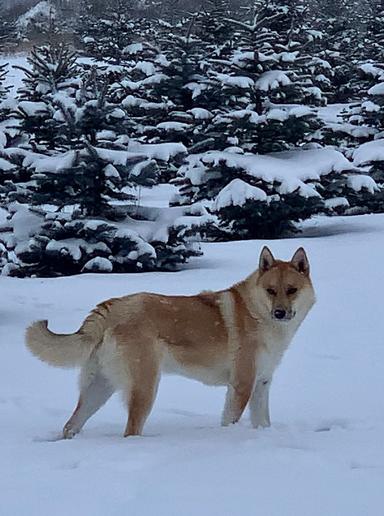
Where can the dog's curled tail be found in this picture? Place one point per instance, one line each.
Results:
(65, 350)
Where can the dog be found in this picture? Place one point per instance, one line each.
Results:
(234, 337)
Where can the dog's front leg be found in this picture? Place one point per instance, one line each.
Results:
(235, 402)
(239, 389)
(259, 404)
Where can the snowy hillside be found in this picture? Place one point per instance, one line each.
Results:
(324, 454)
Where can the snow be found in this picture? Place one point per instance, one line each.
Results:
(371, 69)
(33, 108)
(3, 137)
(360, 182)
(142, 247)
(369, 152)
(118, 113)
(336, 202)
(277, 114)
(120, 157)
(172, 126)
(98, 264)
(300, 111)
(370, 107)
(252, 116)
(378, 89)
(271, 80)
(70, 246)
(200, 113)
(159, 196)
(332, 113)
(136, 85)
(235, 81)
(288, 57)
(51, 164)
(134, 48)
(315, 92)
(240, 55)
(146, 67)
(110, 171)
(237, 192)
(291, 168)
(24, 223)
(323, 454)
(161, 151)
(5, 166)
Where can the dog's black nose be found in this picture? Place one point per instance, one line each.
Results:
(279, 314)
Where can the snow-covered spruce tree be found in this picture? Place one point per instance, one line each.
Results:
(10, 173)
(370, 116)
(262, 86)
(136, 90)
(158, 91)
(213, 25)
(51, 78)
(373, 107)
(260, 91)
(343, 25)
(370, 156)
(74, 202)
(264, 196)
(74, 216)
(105, 36)
(3, 90)
(359, 121)
(93, 233)
(374, 31)
(180, 71)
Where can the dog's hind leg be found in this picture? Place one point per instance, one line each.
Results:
(95, 390)
(141, 394)
(259, 404)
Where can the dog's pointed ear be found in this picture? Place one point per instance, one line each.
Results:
(300, 261)
(266, 260)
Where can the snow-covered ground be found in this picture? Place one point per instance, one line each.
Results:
(323, 455)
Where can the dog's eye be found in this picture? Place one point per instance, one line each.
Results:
(291, 291)
(271, 291)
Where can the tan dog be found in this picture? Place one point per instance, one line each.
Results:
(235, 337)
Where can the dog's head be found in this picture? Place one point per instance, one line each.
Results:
(284, 289)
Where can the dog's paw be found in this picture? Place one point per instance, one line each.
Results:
(69, 432)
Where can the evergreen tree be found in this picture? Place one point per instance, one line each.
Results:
(370, 116)
(160, 86)
(257, 85)
(75, 184)
(213, 24)
(105, 36)
(374, 39)
(49, 82)
(255, 196)
(3, 77)
(343, 25)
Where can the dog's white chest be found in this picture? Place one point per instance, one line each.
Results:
(275, 344)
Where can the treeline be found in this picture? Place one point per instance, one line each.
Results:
(261, 117)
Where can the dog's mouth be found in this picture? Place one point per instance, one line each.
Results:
(283, 315)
